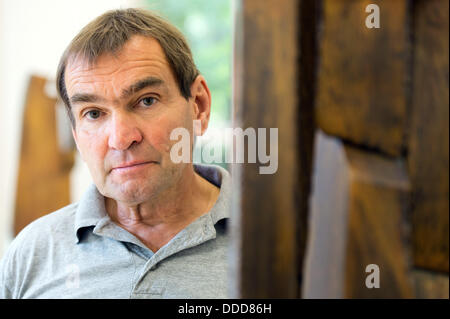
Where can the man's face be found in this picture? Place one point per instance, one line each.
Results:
(125, 108)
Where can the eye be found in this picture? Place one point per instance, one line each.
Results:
(147, 101)
(93, 114)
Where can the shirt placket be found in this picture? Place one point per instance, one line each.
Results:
(195, 234)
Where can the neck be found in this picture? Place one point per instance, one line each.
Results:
(159, 219)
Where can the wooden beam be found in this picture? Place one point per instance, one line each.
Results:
(429, 136)
(363, 74)
(264, 260)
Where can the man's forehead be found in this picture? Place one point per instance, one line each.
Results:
(140, 57)
(137, 50)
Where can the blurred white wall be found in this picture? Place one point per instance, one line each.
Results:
(33, 35)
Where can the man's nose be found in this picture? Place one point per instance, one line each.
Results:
(123, 132)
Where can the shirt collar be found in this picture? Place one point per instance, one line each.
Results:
(221, 178)
(91, 208)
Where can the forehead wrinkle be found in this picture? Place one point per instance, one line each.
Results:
(139, 85)
(103, 71)
(141, 48)
(80, 65)
(146, 82)
(80, 77)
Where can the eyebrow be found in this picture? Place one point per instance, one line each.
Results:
(132, 89)
(140, 85)
(84, 97)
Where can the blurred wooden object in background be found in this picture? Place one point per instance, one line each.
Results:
(43, 179)
(379, 180)
(265, 246)
(383, 94)
(428, 140)
(358, 218)
(363, 74)
(362, 101)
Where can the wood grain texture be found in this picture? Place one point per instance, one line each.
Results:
(264, 260)
(430, 284)
(358, 217)
(428, 160)
(379, 229)
(43, 177)
(363, 74)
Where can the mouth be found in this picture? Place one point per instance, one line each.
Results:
(131, 166)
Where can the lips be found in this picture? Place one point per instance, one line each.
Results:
(130, 165)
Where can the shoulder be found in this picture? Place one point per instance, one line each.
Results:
(58, 222)
(46, 228)
(30, 248)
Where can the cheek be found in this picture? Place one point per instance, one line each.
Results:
(92, 146)
(163, 127)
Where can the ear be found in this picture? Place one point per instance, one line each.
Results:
(201, 98)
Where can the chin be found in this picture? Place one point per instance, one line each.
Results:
(133, 192)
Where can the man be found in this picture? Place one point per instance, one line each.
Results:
(148, 228)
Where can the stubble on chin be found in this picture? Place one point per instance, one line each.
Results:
(139, 191)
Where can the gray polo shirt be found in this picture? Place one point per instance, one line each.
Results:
(78, 252)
